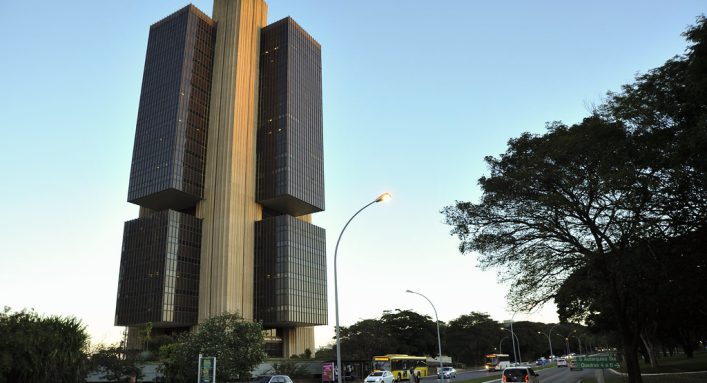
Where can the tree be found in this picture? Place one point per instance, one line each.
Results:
(398, 332)
(116, 365)
(670, 277)
(364, 339)
(470, 337)
(573, 198)
(413, 333)
(34, 348)
(237, 345)
(145, 334)
(585, 202)
(325, 353)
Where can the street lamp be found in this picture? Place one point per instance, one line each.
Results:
(381, 198)
(549, 341)
(515, 357)
(517, 342)
(567, 341)
(439, 340)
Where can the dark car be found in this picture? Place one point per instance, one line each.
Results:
(520, 374)
(541, 362)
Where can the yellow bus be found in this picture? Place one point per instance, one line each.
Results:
(400, 365)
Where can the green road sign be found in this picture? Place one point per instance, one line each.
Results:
(599, 361)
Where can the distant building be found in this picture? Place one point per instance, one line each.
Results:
(227, 169)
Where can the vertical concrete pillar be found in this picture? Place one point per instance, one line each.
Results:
(229, 209)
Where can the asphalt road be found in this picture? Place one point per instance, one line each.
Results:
(547, 375)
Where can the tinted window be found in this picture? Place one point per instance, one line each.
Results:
(515, 375)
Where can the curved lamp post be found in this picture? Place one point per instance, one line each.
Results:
(381, 198)
(567, 341)
(439, 340)
(517, 342)
(549, 341)
(513, 339)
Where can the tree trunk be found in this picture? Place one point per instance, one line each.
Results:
(650, 350)
(686, 343)
(629, 337)
(687, 347)
(631, 359)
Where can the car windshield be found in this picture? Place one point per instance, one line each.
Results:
(447, 369)
(262, 379)
(377, 373)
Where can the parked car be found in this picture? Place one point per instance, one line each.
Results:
(520, 374)
(541, 362)
(273, 379)
(380, 377)
(448, 373)
(561, 362)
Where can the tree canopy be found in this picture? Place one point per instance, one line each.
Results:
(590, 211)
(467, 339)
(35, 348)
(236, 343)
(397, 332)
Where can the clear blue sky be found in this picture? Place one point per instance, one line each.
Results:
(416, 93)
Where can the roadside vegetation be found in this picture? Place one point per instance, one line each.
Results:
(36, 348)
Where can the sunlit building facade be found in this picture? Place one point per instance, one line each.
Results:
(227, 169)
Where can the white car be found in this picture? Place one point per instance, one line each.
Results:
(448, 373)
(561, 362)
(273, 379)
(380, 377)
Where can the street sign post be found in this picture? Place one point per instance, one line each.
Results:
(598, 361)
(207, 369)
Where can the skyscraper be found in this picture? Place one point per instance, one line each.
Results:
(227, 169)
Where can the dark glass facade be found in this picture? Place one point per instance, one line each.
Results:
(170, 139)
(290, 139)
(290, 273)
(159, 270)
(159, 265)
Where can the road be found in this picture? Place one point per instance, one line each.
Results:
(547, 375)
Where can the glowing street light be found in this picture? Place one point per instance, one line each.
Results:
(383, 197)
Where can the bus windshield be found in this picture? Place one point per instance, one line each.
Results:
(496, 358)
(380, 365)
